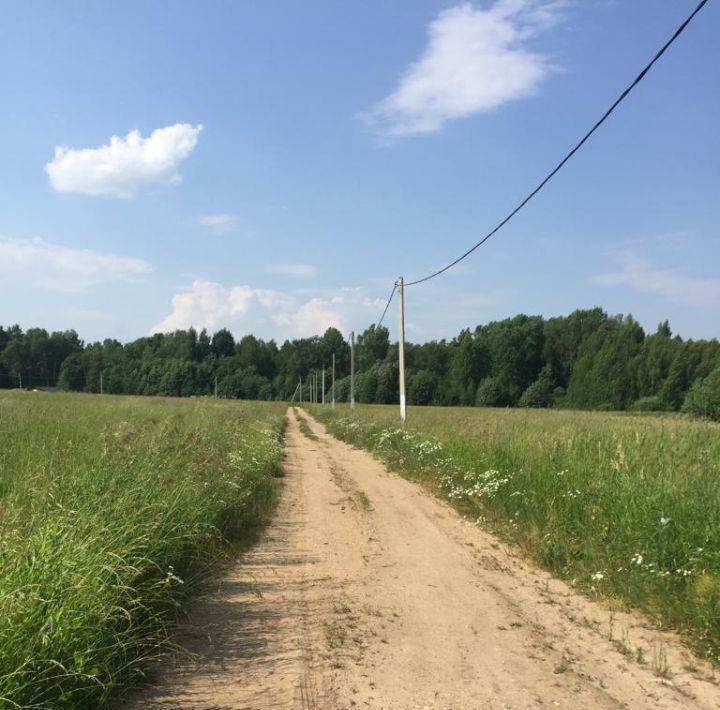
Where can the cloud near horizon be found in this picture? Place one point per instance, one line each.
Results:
(645, 276)
(476, 60)
(211, 305)
(125, 165)
(64, 268)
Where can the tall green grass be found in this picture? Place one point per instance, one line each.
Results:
(625, 506)
(110, 508)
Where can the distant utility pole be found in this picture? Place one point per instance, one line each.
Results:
(215, 386)
(323, 385)
(333, 381)
(301, 390)
(401, 345)
(352, 370)
(295, 391)
(20, 379)
(101, 383)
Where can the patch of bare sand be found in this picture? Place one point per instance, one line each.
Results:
(368, 592)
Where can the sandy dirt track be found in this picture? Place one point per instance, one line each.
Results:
(368, 592)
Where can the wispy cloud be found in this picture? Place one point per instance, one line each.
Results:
(124, 165)
(644, 276)
(64, 268)
(476, 60)
(300, 270)
(218, 223)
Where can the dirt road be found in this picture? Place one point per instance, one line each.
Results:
(368, 592)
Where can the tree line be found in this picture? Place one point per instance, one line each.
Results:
(586, 360)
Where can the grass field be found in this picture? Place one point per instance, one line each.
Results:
(110, 510)
(624, 506)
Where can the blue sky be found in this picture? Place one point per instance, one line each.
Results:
(276, 165)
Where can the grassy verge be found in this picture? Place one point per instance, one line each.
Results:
(625, 506)
(110, 509)
(304, 426)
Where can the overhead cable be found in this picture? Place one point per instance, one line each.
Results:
(387, 305)
(577, 147)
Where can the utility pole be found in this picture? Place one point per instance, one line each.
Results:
(20, 379)
(401, 345)
(323, 385)
(295, 391)
(215, 386)
(333, 382)
(101, 383)
(352, 371)
(301, 391)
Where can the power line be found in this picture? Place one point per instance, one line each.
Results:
(387, 305)
(550, 175)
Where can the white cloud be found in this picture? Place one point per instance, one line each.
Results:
(126, 164)
(220, 223)
(206, 305)
(643, 276)
(243, 309)
(64, 268)
(476, 60)
(300, 270)
(274, 300)
(312, 318)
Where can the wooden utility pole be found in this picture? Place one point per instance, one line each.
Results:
(323, 385)
(401, 345)
(101, 383)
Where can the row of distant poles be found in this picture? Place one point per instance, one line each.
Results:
(317, 383)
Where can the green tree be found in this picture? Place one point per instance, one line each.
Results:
(421, 387)
(372, 346)
(490, 394)
(540, 392)
(72, 375)
(223, 343)
(703, 398)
